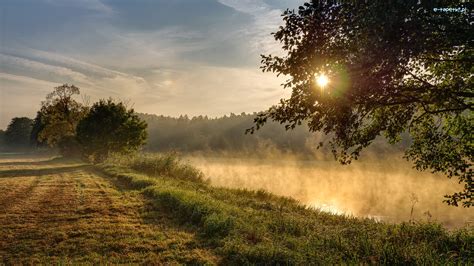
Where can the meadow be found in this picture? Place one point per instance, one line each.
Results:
(158, 209)
(64, 211)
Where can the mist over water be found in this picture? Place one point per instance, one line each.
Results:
(385, 189)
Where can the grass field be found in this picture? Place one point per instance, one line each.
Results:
(56, 211)
(155, 209)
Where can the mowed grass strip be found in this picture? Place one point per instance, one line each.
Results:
(69, 214)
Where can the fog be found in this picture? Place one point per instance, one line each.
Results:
(385, 189)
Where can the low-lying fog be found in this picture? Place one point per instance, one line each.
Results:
(384, 190)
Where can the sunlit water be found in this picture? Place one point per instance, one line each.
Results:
(385, 191)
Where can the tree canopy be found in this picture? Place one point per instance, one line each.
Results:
(2, 140)
(37, 127)
(56, 122)
(17, 135)
(110, 128)
(393, 67)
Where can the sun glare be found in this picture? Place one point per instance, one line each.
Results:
(322, 80)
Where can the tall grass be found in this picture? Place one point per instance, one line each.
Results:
(158, 165)
(256, 227)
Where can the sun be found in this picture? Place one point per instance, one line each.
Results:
(322, 80)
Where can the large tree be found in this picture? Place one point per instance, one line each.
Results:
(56, 122)
(110, 128)
(17, 135)
(393, 67)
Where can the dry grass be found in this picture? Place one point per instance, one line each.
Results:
(55, 211)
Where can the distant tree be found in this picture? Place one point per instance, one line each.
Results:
(18, 132)
(393, 67)
(56, 122)
(3, 142)
(110, 128)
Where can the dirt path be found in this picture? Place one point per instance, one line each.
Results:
(64, 212)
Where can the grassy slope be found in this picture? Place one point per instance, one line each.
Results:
(156, 209)
(258, 227)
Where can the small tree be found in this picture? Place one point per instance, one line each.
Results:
(110, 128)
(17, 135)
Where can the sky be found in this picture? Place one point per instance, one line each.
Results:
(166, 57)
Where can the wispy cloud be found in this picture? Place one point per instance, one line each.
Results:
(267, 19)
(27, 80)
(95, 5)
(167, 57)
(38, 69)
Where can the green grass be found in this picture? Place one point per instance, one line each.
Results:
(256, 227)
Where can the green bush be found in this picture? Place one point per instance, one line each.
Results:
(109, 127)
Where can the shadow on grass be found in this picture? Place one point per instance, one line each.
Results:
(153, 212)
(43, 161)
(41, 172)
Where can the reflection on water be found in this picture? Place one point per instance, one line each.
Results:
(387, 190)
(328, 208)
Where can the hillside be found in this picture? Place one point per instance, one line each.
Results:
(156, 209)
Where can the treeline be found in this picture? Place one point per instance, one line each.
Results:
(228, 134)
(184, 134)
(17, 136)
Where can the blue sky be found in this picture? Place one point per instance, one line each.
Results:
(166, 57)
